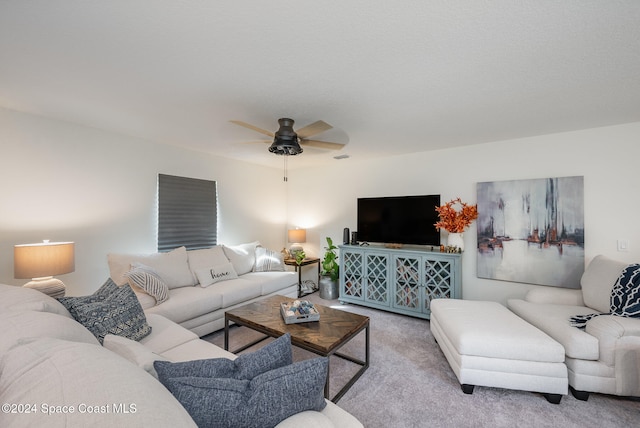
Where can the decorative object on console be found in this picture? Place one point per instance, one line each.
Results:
(454, 221)
(41, 261)
(532, 231)
(296, 237)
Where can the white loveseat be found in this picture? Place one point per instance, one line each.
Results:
(605, 356)
(54, 373)
(260, 273)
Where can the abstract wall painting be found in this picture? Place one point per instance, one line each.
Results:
(532, 231)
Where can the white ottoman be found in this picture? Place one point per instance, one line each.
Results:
(488, 345)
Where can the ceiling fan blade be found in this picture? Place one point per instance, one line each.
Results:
(313, 129)
(256, 142)
(321, 144)
(255, 128)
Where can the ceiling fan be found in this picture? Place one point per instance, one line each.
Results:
(288, 142)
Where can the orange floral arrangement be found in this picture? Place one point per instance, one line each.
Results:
(454, 221)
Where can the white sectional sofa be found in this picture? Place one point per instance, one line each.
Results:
(605, 356)
(255, 273)
(55, 373)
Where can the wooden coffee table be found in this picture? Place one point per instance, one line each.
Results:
(324, 337)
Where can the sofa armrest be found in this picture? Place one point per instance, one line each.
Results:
(619, 345)
(555, 296)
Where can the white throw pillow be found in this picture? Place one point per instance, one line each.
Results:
(133, 351)
(208, 276)
(172, 267)
(268, 260)
(242, 256)
(205, 258)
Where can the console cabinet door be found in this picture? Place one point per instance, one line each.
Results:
(407, 285)
(439, 280)
(352, 274)
(377, 278)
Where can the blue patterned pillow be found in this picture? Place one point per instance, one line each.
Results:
(247, 366)
(110, 310)
(264, 401)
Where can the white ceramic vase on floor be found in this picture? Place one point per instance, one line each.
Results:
(455, 240)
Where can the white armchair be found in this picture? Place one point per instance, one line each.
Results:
(605, 356)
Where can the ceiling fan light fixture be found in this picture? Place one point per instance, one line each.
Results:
(285, 147)
(286, 140)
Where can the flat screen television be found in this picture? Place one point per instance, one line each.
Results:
(399, 220)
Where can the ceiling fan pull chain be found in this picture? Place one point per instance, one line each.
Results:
(285, 168)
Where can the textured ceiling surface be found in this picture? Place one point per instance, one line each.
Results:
(391, 77)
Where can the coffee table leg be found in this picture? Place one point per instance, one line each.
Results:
(364, 366)
(226, 333)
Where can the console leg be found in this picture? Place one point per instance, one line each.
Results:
(553, 398)
(580, 395)
(467, 389)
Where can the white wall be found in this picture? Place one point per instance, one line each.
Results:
(325, 198)
(61, 181)
(65, 182)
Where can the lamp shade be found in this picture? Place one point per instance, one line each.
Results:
(43, 259)
(297, 236)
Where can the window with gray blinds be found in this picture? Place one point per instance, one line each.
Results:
(187, 213)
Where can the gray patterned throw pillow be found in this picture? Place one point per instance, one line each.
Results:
(247, 366)
(110, 310)
(263, 401)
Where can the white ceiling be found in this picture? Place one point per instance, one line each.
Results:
(392, 77)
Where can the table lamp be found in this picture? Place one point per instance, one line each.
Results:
(296, 237)
(40, 262)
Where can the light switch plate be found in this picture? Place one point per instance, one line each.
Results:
(623, 245)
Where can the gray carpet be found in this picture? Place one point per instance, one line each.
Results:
(410, 384)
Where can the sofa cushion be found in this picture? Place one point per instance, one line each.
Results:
(172, 266)
(190, 302)
(243, 256)
(247, 366)
(598, 280)
(147, 279)
(238, 291)
(271, 282)
(146, 301)
(264, 400)
(51, 372)
(23, 324)
(27, 299)
(554, 320)
(110, 310)
(268, 260)
(197, 349)
(165, 334)
(134, 352)
(212, 274)
(204, 258)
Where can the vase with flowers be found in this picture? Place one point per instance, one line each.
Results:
(455, 221)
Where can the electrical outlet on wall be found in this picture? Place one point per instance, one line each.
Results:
(623, 245)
